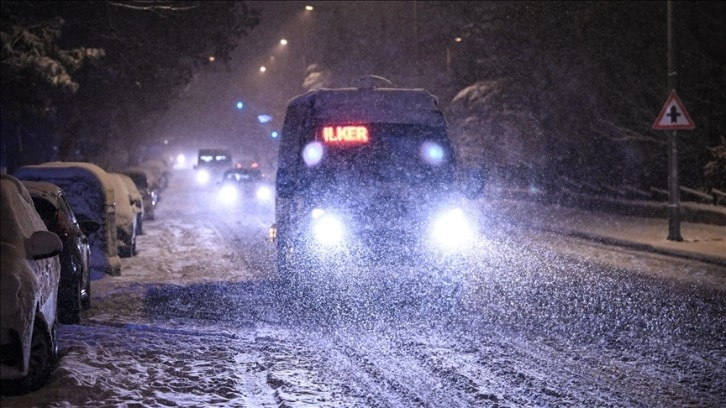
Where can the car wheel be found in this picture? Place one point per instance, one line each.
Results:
(133, 246)
(284, 271)
(140, 225)
(70, 301)
(42, 357)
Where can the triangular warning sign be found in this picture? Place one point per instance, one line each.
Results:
(673, 116)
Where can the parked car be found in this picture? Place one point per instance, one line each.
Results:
(137, 201)
(160, 170)
(125, 218)
(29, 279)
(90, 191)
(74, 294)
(149, 189)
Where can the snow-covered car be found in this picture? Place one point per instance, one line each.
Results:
(160, 170)
(90, 192)
(246, 187)
(29, 280)
(74, 294)
(137, 201)
(125, 217)
(369, 173)
(149, 189)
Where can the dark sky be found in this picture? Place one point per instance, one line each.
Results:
(363, 37)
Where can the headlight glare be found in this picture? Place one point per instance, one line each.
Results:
(202, 176)
(263, 193)
(327, 229)
(228, 193)
(452, 229)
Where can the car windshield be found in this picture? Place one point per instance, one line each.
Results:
(242, 175)
(214, 158)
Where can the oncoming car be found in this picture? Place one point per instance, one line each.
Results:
(369, 173)
(211, 163)
(246, 187)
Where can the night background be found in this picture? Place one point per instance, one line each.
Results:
(533, 91)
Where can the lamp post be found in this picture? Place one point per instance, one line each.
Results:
(306, 23)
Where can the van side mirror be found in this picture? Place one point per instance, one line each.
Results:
(473, 180)
(284, 184)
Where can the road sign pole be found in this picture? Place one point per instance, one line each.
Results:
(674, 201)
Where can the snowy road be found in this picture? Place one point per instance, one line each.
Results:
(198, 319)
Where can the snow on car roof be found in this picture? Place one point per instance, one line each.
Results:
(17, 209)
(382, 105)
(124, 211)
(83, 183)
(133, 191)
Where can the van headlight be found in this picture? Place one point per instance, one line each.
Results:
(327, 229)
(452, 230)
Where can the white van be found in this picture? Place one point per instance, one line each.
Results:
(368, 173)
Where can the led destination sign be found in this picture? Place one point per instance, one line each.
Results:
(345, 134)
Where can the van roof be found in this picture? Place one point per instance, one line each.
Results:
(373, 105)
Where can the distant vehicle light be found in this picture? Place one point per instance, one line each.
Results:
(345, 134)
(263, 193)
(432, 153)
(253, 165)
(180, 159)
(312, 153)
(264, 118)
(240, 105)
(274, 134)
(203, 176)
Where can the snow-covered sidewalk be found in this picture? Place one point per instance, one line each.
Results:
(700, 241)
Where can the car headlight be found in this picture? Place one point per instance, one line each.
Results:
(228, 194)
(203, 176)
(263, 193)
(327, 228)
(452, 230)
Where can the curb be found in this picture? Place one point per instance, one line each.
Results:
(641, 247)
